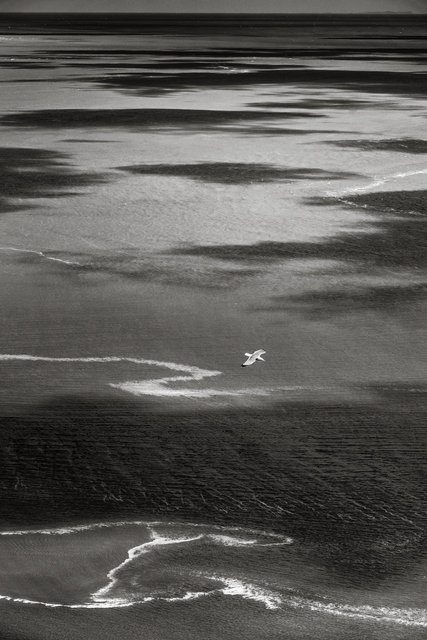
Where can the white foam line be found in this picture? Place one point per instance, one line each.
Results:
(190, 595)
(256, 532)
(196, 372)
(273, 600)
(378, 182)
(149, 523)
(26, 601)
(114, 603)
(229, 541)
(60, 531)
(55, 605)
(148, 387)
(60, 260)
(160, 386)
(234, 587)
(101, 596)
(407, 617)
(135, 552)
(41, 254)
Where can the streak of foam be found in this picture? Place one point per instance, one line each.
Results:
(113, 603)
(270, 599)
(150, 387)
(41, 254)
(274, 600)
(102, 596)
(234, 587)
(135, 552)
(378, 182)
(160, 386)
(280, 538)
(190, 595)
(56, 605)
(406, 617)
(61, 531)
(230, 541)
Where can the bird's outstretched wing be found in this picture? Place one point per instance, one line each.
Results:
(258, 353)
(251, 359)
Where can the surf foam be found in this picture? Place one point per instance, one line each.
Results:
(42, 255)
(149, 387)
(377, 182)
(232, 586)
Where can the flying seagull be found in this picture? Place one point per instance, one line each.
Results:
(253, 357)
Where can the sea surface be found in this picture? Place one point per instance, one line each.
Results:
(177, 191)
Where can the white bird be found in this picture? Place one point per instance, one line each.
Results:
(253, 357)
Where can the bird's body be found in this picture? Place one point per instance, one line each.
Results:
(253, 357)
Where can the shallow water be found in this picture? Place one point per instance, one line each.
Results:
(178, 563)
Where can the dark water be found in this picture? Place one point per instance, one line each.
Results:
(176, 191)
(330, 474)
(310, 511)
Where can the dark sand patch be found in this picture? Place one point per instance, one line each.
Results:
(27, 65)
(242, 173)
(141, 119)
(135, 265)
(400, 202)
(398, 238)
(405, 145)
(30, 173)
(88, 140)
(325, 103)
(273, 131)
(316, 305)
(376, 82)
(176, 65)
(226, 53)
